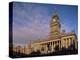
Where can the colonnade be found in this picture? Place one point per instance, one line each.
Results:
(51, 45)
(67, 42)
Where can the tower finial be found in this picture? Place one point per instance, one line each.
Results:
(55, 12)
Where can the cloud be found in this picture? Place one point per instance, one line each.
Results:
(29, 25)
(31, 21)
(33, 32)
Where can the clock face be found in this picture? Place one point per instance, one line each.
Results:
(54, 20)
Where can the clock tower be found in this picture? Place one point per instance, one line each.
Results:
(55, 27)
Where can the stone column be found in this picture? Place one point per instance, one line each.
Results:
(46, 48)
(59, 45)
(52, 46)
(66, 43)
(76, 45)
(69, 42)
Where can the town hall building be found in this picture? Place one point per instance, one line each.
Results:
(57, 39)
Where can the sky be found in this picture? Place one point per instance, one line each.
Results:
(32, 21)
